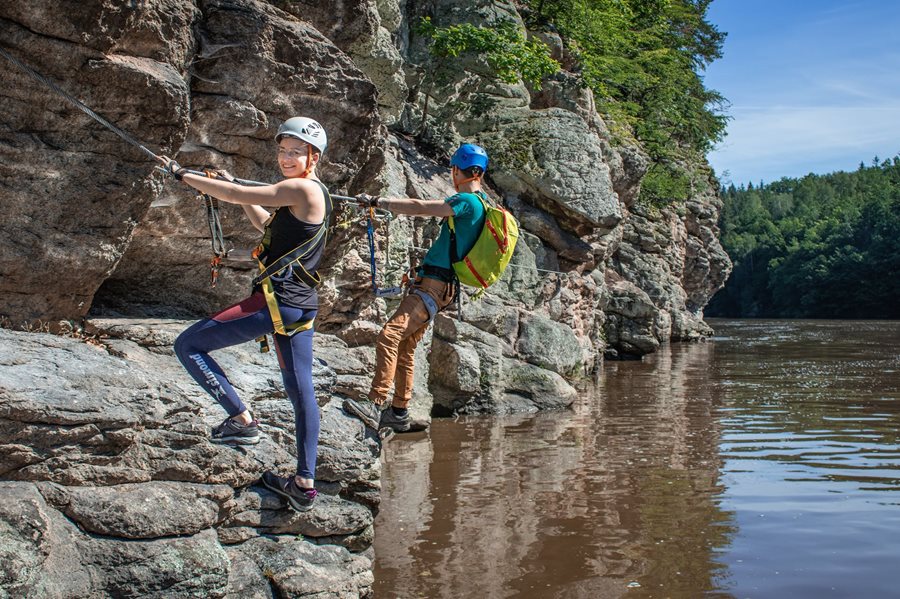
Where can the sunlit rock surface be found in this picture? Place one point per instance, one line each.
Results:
(113, 484)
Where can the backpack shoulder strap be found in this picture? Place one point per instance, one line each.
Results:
(329, 204)
(486, 204)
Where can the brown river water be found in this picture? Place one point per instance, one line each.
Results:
(762, 463)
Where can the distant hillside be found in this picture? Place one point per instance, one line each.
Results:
(824, 246)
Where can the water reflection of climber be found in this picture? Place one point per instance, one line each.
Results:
(283, 303)
(432, 290)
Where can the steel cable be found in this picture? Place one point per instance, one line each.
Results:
(77, 103)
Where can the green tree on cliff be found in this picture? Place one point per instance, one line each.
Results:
(643, 59)
(508, 51)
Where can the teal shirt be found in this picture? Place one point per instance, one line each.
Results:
(468, 220)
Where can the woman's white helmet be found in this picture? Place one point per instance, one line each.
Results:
(304, 129)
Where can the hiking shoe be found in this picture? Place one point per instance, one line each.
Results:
(390, 419)
(367, 411)
(232, 432)
(300, 499)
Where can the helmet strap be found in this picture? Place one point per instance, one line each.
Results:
(456, 185)
(309, 164)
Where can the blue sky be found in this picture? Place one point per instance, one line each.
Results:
(814, 86)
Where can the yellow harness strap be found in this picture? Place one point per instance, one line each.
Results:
(269, 290)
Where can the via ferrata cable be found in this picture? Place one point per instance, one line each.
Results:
(78, 104)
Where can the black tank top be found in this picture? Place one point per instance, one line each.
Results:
(286, 233)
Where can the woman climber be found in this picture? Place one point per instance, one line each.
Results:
(283, 301)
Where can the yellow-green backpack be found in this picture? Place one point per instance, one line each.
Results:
(493, 249)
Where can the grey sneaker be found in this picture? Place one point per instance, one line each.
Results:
(390, 419)
(367, 411)
(300, 499)
(232, 432)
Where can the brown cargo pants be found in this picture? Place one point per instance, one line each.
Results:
(396, 344)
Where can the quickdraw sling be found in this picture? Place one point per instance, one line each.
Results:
(373, 270)
(216, 236)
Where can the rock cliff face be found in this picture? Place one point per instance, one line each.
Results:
(105, 446)
(210, 82)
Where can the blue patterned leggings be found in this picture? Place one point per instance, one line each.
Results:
(243, 322)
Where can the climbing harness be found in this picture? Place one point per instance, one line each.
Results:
(430, 305)
(289, 265)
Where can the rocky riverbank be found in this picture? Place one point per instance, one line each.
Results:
(112, 488)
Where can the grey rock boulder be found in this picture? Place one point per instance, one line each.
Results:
(630, 316)
(45, 555)
(56, 252)
(550, 345)
(298, 568)
(551, 158)
(473, 371)
(144, 510)
(119, 491)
